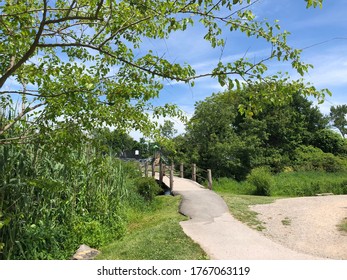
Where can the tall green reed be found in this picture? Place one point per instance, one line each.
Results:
(51, 202)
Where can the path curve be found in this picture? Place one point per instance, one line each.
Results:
(219, 234)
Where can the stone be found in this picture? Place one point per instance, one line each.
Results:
(84, 252)
(324, 194)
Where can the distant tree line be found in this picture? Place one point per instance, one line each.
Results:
(294, 134)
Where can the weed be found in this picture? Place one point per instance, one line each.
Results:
(343, 225)
(286, 221)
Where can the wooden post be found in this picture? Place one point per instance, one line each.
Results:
(171, 177)
(153, 169)
(181, 170)
(194, 172)
(146, 169)
(209, 177)
(160, 172)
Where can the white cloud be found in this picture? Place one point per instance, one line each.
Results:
(330, 68)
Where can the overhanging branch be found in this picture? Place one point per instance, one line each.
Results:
(19, 117)
(31, 50)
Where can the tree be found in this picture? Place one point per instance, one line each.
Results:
(168, 129)
(74, 60)
(114, 142)
(338, 116)
(232, 143)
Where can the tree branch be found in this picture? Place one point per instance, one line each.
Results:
(62, 45)
(123, 28)
(8, 141)
(20, 115)
(31, 50)
(68, 17)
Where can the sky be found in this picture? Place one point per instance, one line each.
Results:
(321, 33)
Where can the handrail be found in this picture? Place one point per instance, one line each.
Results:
(163, 168)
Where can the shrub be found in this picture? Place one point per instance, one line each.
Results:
(262, 179)
(309, 158)
(92, 233)
(148, 188)
(329, 141)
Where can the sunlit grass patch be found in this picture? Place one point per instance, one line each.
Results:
(155, 235)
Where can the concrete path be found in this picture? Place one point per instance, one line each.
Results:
(218, 233)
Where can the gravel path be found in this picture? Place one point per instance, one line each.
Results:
(307, 224)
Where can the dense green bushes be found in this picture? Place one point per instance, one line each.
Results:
(307, 158)
(49, 207)
(262, 180)
(148, 188)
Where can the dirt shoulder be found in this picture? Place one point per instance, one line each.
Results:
(307, 224)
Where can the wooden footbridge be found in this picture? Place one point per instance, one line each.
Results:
(170, 172)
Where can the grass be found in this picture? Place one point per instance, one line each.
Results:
(309, 183)
(288, 184)
(155, 234)
(239, 208)
(343, 225)
(239, 196)
(286, 221)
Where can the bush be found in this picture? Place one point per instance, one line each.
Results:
(148, 188)
(262, 179)
(91, 233)
(329, 141)
(309, 158)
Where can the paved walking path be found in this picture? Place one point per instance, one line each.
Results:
(218, 233)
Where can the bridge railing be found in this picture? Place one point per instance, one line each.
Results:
(163, 169)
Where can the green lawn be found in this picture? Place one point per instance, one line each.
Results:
(155, 234)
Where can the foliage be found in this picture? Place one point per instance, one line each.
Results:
(80, 63)
(329, 142)
(262, 179)
(69, 68)
(168, 129)
(338, 116)
(148, 188)
(51, 207)
(231, 144)
(114, 142)
(310, 158)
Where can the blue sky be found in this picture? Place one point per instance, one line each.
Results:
(322, 33)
